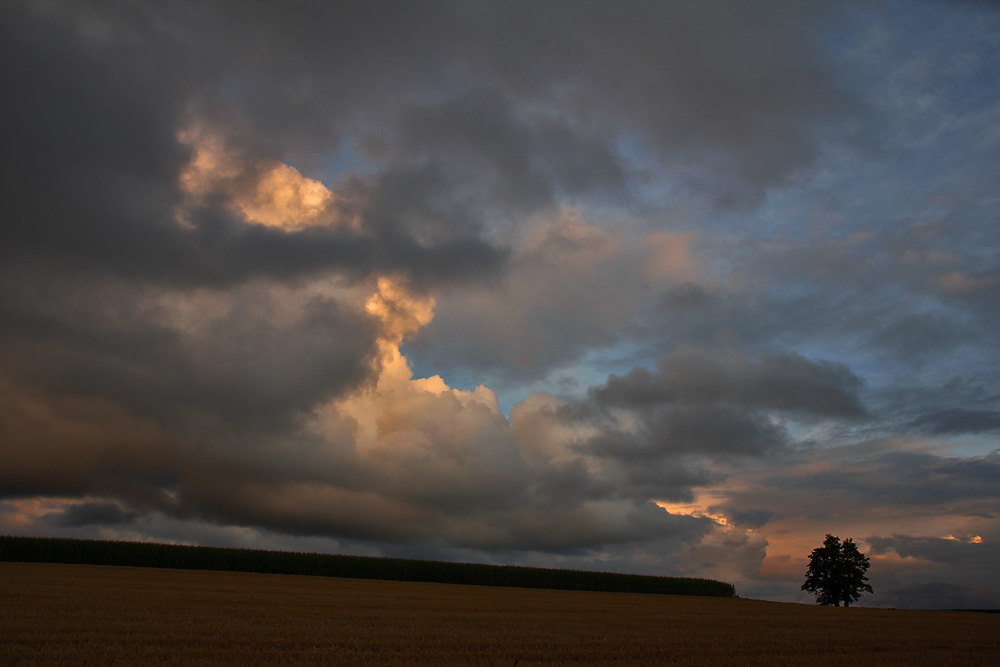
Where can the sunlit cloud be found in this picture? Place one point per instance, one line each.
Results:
(263, 192)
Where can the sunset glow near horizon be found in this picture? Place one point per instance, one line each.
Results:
(658, 288)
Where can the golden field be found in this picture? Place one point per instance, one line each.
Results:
(99, 615)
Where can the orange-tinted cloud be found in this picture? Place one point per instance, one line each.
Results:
(266, 192)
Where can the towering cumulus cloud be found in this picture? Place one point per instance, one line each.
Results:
(672, 288)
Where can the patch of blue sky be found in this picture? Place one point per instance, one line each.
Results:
(938, 70)
(458, 377)
(933, 70)
(347, 160)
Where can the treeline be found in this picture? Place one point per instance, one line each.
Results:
(142, 554)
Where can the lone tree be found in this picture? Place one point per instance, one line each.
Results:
(837, 572)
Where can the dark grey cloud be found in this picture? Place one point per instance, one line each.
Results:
(244, 367)
(60, 444)
(904, 478)
(518, 162)
(367, 507)
(261, 252)
(692, 429)
(962, 553)
(751, 95)
(922, 584)
(89, 514)
(90, 135)
(650, 66)
(879, 484)
(959, 420)
(782, 382)
(660, 428)
(673, 476)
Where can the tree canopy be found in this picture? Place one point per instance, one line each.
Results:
(837, 572)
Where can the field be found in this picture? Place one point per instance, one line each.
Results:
(87, 614)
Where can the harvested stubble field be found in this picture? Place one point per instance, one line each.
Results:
(86, 614)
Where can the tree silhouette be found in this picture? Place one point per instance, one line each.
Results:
(837, 572)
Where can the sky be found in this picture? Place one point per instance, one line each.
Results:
(671, 288)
